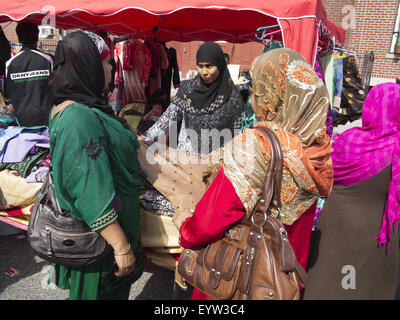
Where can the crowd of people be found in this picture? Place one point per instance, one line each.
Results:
(96, 166)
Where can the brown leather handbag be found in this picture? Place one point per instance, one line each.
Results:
(254, 260)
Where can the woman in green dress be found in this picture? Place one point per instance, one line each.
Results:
(95, 168)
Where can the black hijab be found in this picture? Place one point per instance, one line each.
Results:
(78, 72)
(205, 94)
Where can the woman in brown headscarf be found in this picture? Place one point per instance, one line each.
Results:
(289, 98)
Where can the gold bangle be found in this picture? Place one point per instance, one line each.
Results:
(123, 253)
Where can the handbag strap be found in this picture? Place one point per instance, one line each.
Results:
(271, 193)
(272, 189)
(59, 114)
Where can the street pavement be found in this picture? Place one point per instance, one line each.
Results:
(23, 275)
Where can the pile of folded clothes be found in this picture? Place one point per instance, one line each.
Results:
(24, 163)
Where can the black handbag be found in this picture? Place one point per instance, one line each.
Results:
(56, 236)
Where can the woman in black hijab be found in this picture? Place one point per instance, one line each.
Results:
(95, 168)
(210, 106)
(78, 78)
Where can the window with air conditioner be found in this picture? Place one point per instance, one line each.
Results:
(46, 32)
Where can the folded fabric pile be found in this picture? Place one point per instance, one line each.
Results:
(16, 199)
(26, 151)
(153, 201)
(24, 163)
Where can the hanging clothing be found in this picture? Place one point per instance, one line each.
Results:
(159, 66)
(116, 96)
(172, 73)
(291, 100)
(205, 94)
(353, 90)
(338, 82)
(249, 117)
(272, 45)
(318, 68)
(320, 73)
(135, 58)
(327, 63)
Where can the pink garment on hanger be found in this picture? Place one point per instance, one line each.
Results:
(136, 64)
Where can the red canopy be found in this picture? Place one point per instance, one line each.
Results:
(300, 22)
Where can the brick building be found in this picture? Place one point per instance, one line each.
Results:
(369, 27)
(48, 37)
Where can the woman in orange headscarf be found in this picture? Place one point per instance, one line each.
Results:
(289, 98)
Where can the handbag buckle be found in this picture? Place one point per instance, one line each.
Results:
(263, 222)
(234, 234)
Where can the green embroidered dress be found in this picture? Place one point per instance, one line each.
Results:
(94, 159)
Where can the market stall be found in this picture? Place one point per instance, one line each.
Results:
(301, 25)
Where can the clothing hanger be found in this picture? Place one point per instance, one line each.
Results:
(352, 52)
(264, 29)
(271, 37)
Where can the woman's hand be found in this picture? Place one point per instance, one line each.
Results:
(126, 263)
(178, 220)
(124, 257)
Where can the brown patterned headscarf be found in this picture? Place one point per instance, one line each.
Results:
(289, 98)
(290, 94)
